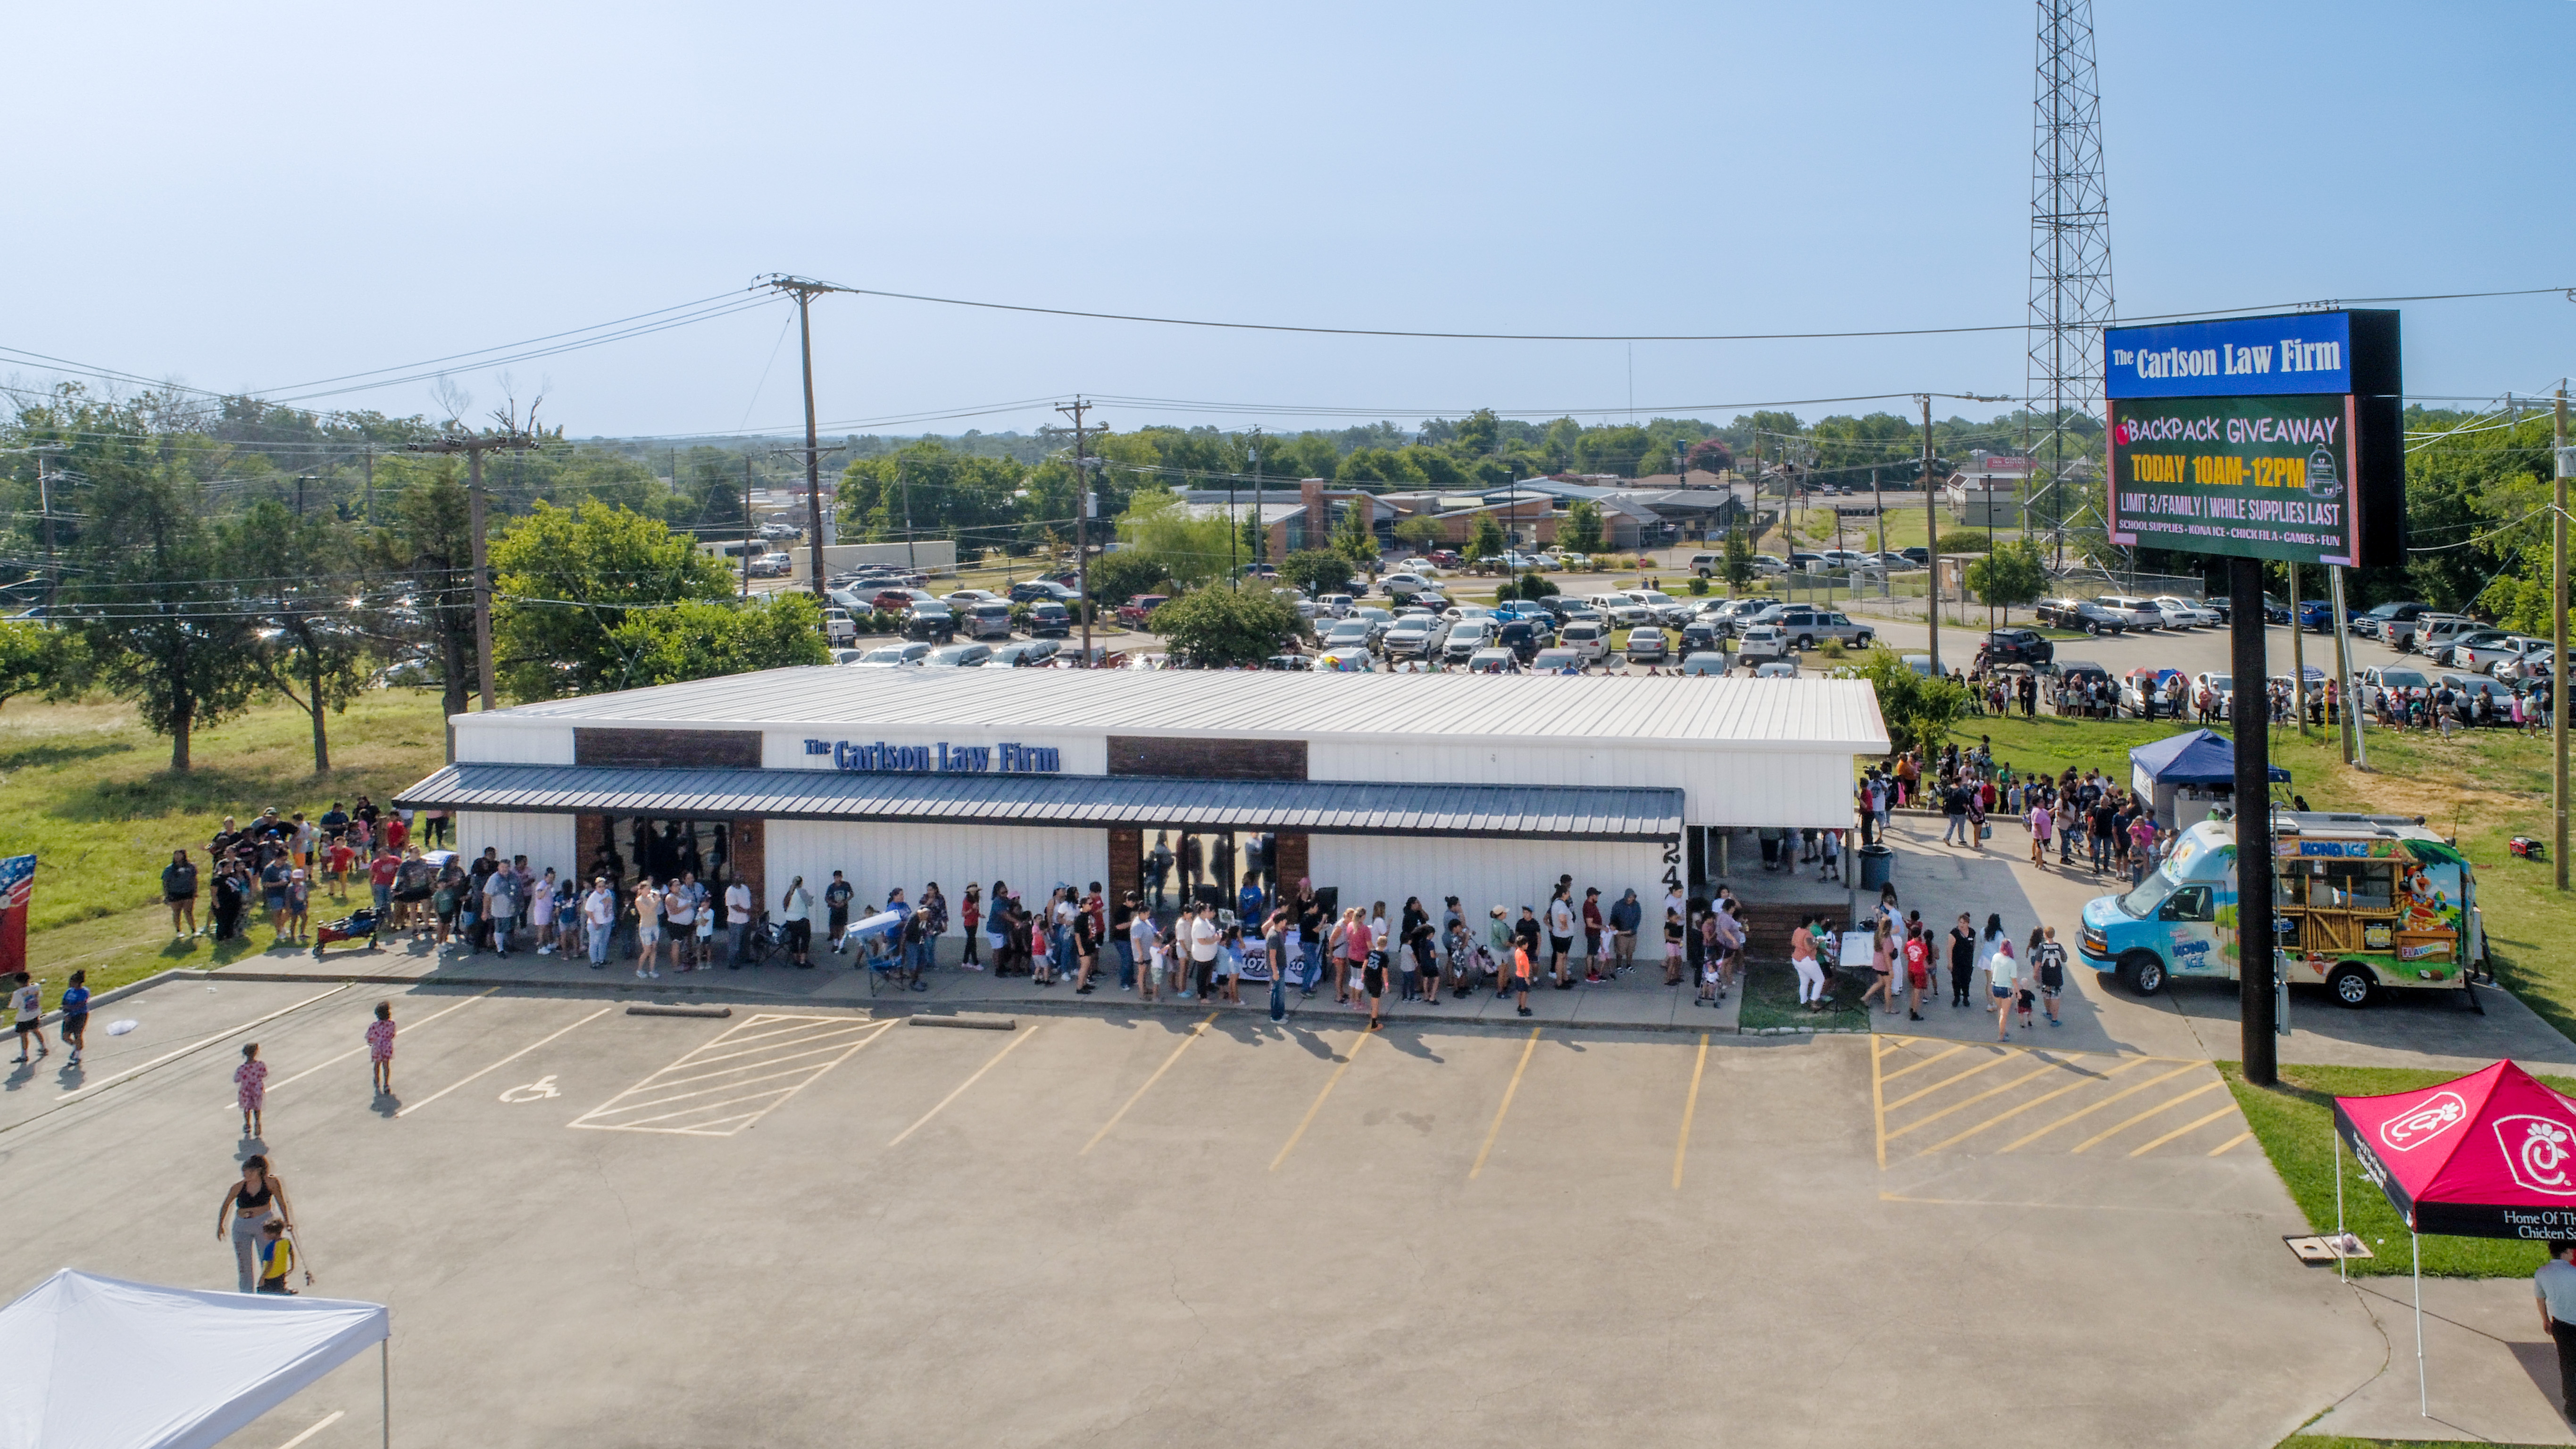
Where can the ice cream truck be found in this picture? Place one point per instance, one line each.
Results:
(2362, 903)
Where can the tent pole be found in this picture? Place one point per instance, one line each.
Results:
(2341, 1237)
(385, 1371)
(2423, 1396)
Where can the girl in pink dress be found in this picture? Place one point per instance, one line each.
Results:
(251, 1078)
(380, 1047)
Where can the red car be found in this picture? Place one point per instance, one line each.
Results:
(893, 601)
(1132, 613)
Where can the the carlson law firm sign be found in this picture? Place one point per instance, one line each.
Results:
(941, 758)
(2260, 437)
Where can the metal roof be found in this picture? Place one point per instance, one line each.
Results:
(1805, 715)
(1321, 807)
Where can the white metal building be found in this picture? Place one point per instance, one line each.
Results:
(1383, 786)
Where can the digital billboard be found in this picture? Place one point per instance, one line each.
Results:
(2258, 437)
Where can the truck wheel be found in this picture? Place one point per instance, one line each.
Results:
(2143, 972)
(2352, 985)
(1805, 642)
(1861, 640)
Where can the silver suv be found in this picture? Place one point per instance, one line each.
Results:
(1805, 626)
(1414, 636)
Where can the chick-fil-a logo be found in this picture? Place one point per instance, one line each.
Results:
(2539, 1151)
(2431, 1118)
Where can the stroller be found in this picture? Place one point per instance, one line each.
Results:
(361, 922)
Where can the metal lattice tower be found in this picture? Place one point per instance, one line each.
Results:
(2070, 250)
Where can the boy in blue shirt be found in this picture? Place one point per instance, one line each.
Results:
(75, 1005)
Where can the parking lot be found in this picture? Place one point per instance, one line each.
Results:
(805, 1226)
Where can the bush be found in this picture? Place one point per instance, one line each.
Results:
(1699, 584)
(1528, 586)
(1963, 540)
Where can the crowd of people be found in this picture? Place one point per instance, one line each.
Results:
(2115, 826)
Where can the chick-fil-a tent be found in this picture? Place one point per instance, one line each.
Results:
(2488, 1155)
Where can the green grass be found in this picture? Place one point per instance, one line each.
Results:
(89, 791)
(1771, 999)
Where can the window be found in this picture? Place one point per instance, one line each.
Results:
(2353, 885)
(2190, 903)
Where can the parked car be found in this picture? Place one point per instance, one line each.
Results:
(2073, 676)
(1763, 641)
(959, 656)
(988, 619)
(2433, 634)
(2374, 622)
(1334, 604)
(770, 566)
(2139, 687)
(1766, 563)
(2082, 614)
(2221, 686)
(896, 600)
(1804, 563)
(1467, 636)
(1348, 634)
(1776, 669)
(2394, 676)
(2141, 614)
(1446, 558)
(1921, 558)
(1133, 613)
(2274, 611)
(1705, 663)
(1587, 637)
(964, 599)
(1404, 585)
(2182, 613)
(1347, 660)
(2531, 660)
(1707, 565)
(1490, 661)
(1025, 654)
(2317, 615)
(930, 620)
(1032, 591)
(2016, 646)
(1415, 636)
(1700, 636)
(1049, 620)
(893, 656)
(1559, 660)
(2499, 698)
(1648, 646)
(1921, 664)
(2482, 651)
(1431, 599)
(1525, 637)
(1807, 625)
(1621, 610)
(839, 627)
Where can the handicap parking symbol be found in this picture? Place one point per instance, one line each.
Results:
(536, 1091)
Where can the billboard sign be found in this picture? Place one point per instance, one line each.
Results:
(2258, 437)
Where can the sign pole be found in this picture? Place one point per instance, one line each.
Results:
(2349, 719)
(2558, 656)
(2252, 708)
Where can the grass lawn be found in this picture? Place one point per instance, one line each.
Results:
(1771, 999)
(89, 791)
(2295, 1123)
(2482, 788)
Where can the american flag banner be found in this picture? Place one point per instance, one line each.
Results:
(17, 890)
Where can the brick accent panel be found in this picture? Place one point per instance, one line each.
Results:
(1291, 846)
(750, 859)
(588, 831)
(1126, 863)
(1207, 759)
(669, 749)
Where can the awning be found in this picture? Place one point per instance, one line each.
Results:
(1316, 807)
(2197, 758)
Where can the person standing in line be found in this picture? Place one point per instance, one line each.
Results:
(382, 871)
(1626, 915)
(1882, 970)
(1802, 959)
(1594, 928)
(1522, 969)
(1977, 817)
(541, 911)
(1144, 945)
(1274, 939)
(2003, 985)
(248, 1204)
(27, 999)
(599, 920)
(179, 893)
(680, 913)
(1310, 933)
(299, 902)
(648, 929)
(1963, 959)
(1501, 939)
(1728, 917)
(501, 906)
(737, 903)
(1338, 946)
(1918, 966)
(380, 1048)
(75, 1022)
(970, 914)
(2041, 824)
(337, 855)
(2048, 969)
(2142, 847)
(836, 913)
(2553, 1288)
(1424, 940)
(1674, 932)
(1206, 945)
(2065, 820)
(1560, 935)
(796, 910)
(250, 1088)
(1373, 985)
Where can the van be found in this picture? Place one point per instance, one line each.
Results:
(990, 619)
(2367, 903)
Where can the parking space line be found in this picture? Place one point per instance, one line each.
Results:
(1997, 1060)
(1962, 1106)
(822, 1027)
(1690, 1105)
(335, 1416)
(1194, 1034)
(2011, 1112)
(2163, 1106)
(1927, 1061)
(2240, 1137)
(1317, 1105)
(831, 1043)
(2178, 1131)
(989, 1063)
(353, 1051)
(1496, 1130)
(640, 1122)
(2036, 1133)
(709, 1091)
(170, 1056)
(503, 1062)
(799, 1063)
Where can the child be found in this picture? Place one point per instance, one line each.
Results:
(1521, 976)
(251, 1078)
(336, 856)
(1710, 964)
(1373, 985)
(27, 996)
(76, 1013)
(277, 1259)
(299, 897)
(380, 1047)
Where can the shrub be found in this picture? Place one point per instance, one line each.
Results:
(1699, 584)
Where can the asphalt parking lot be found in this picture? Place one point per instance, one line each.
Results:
(802, 1226)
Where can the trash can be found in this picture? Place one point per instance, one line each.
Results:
(1877, 866)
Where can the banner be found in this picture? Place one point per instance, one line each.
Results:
(2263, 477)
(17, 892)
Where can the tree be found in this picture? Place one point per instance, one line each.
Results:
(430, 545)
(566, 578)
(1478, 433)
(1117, 577)
(1485, 540)
(706, 638)
(1738, 563)
(1212, 628)
(1918, 711)
(169, 632)
(1582, 530)
(2015, 573)
(1710, 455)
(35, 659)
(1353, 537)
(1158, 525)
(1318, 571)
(1420, 534)
(1532, 585)
(312, 652)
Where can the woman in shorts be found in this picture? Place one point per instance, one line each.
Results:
(1672, 944)
(1884, 983)
(648, 929)
(541, 913)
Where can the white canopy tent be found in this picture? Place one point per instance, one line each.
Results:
(98, 1363)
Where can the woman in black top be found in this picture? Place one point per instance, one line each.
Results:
(179, 892)
(229, 890)
(1963, 959)
(249, 1203)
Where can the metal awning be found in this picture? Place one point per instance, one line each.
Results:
(1317, 807)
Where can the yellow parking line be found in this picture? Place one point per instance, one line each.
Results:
(2178, 1131)
(1496, 1130)
(990, 1062)
(2038, 1132)
(2231, 1142)
(1927, 1061)
(1195, 1033)
(1997, 1060)
(1690, 1104)
(2011, 1112)
(2167, 1105)
(1317, 1105)
(1877, 1108)
(1972, 1101)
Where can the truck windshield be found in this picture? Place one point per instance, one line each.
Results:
(2150, 895)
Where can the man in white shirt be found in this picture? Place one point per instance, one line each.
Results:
(1204, 936)
(599, 914)
(2555, 1288)
(796, 914)
(737, 903)
(1560, 935)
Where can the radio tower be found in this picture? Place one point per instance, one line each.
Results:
(2070, 252)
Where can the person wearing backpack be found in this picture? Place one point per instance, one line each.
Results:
(2048, 963)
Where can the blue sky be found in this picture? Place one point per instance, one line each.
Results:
(247, 201)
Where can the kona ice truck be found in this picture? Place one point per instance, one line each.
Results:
(2363, 902)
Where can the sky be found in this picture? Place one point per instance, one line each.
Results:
(254, 201)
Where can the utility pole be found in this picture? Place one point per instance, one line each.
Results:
(2558, 648)
(2347, 719)
(804, 291)
(1931, 538)
(2251, 706)
(45, 511)
(367, 485)
(1233, 535)
(746, 526)
(2298, 659)
(1260, 530)
(1081, 521)
(300, 480)
(903, 480)
(474, 446)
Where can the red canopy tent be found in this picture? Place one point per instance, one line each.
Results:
(2488, 1155)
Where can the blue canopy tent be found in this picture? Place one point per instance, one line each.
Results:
(2184, 776)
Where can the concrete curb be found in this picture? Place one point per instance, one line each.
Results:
(130, 988)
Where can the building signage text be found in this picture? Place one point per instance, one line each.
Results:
(943, 758)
